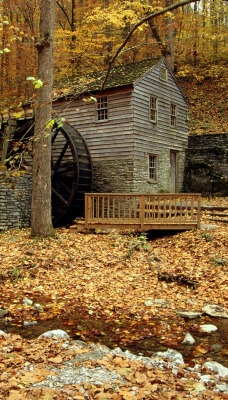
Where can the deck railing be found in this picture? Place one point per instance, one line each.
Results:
(142, 211)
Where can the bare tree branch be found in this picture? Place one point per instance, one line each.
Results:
(141, 22)
(64, 12)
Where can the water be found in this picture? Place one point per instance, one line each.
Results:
(140, 337)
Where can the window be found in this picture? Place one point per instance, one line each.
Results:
(153, 109)
(163, 74)
(173, 115)
(152, 170)
(102, 108)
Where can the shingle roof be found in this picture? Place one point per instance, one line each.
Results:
(121, 75)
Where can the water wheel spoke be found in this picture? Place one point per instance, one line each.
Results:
(22, 135)
(59, 197)
(63, 185)
(65, 170)
(58, 162)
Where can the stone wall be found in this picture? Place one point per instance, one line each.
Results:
(113, 176)
(131, 176)
(15, 202)
(162, 185)
(206, 170)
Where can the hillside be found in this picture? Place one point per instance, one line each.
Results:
(206, 90)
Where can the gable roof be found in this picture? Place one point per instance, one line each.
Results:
(119, 76)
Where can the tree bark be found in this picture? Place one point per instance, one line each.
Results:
(41, 219)
(170, 53)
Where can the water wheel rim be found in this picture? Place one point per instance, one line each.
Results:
(65, 174)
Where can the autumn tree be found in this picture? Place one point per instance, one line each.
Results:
(18, 59)
(41, 222)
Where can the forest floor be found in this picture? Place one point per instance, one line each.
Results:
(206, 90)
(101, 288)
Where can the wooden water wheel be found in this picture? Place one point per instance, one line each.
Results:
(71, 169)
(71, 174)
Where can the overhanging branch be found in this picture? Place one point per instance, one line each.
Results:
(141, 22)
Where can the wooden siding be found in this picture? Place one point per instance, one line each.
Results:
(128, 133)
(148, 135)
(111, 139)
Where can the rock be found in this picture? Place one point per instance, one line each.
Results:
(215, 311)
(222, 387)
(3, 312)
(206, 378)
(56, 332)
(38, 307)
(171, 354)
(156, 303)
(2, 333)
(208, 226)
(90, 355)
(188, 314)
(216, 347)
(149, 303)
(217, 368)
(27, 302)
(79, 343)
(188, 339)
(160, 303)
(29, 323)
(208, 328)
(199, 387)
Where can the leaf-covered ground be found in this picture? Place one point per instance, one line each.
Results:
(206, 90)
(111, 279)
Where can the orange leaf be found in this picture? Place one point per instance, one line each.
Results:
(57, 360)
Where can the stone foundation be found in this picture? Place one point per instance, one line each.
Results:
(15, 202)
(131, 176)
(113, 176)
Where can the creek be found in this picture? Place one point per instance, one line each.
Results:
(139, 337)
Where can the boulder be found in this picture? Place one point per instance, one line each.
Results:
(27, 302)
(188, 314)
(215, 311)
(171, 355)
(217, 368)
(188, 339)
(207, 328)
(55, 333)
(3, 312)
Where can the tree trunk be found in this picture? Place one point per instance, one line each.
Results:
(41, 221)
(170, 55)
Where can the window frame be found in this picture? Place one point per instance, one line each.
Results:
(153, 109)
(173, 115)
(153, 167)
(102, 109)
(163, 74)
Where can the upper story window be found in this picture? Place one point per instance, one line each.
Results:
(152, 167)
(173, 114)
(153, 109)
(163, 74)
(102, 108)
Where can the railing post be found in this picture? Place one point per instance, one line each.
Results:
(88, 202)
(198, 211)
(142, 211)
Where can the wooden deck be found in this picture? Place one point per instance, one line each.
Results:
(142, 211)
